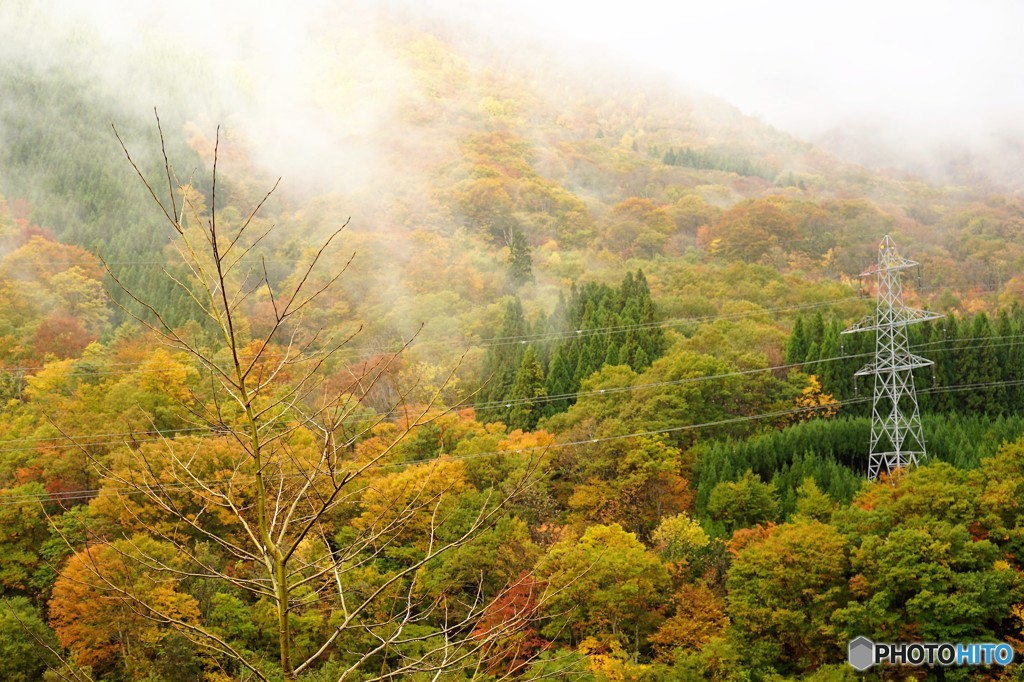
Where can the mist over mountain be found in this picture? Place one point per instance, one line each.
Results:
(992, 159)
(409, 117)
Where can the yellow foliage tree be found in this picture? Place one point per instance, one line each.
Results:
(814, 403)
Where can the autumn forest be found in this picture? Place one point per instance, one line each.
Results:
(522, 377)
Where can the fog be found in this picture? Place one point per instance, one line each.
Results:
(914, 86)
(806, 66)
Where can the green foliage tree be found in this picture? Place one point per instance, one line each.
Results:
(743, 503)
(631, 482)
(979, 364)
(27, 645)
(812, 503)
(920, 570)
(638, 226)
(733, 161)
(23, 530)
(528, 386)
(783, 592)
(932, 581)
(832, 372)
(629, 332)
(606, 585)
(684, 545)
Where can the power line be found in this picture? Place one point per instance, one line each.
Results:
(9, 500)
(162, 368)
(367, 353)
(619, 329)
(728, 375)
(151, 436)
(364, 353)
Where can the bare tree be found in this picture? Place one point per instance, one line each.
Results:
(257, 501)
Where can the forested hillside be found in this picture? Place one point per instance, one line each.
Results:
(522, 376)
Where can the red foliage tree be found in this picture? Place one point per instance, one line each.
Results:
(61, 336)
(513, 613)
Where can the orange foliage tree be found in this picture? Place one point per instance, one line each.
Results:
(109, 604)
(749, 230)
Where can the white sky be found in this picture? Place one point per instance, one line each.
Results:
(808, 65)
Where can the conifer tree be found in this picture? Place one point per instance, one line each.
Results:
(526, 411)
(947, 360)
(927, 378)
(1014, 368)
(651, 338)
(624, 352)
(502, 361)
(520, 260)
(1003, 345)
(796, 347)
(813, 353)
(816, 330)
(542, 328)
(981, 366)
(830, 370)
(559, 383)
(641, 358)
(611, 355)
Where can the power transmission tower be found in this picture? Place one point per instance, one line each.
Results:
(896, 437)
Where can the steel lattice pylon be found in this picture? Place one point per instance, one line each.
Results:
(896, 437)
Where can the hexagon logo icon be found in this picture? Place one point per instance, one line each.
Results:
(861, 653)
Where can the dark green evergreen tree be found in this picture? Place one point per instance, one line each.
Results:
(559, 383)
(917, 337)
(816, 330)
(813, 353)
(542, 328)
(981, 369)
(830, 369)
(520, 259)
(502, 361)
(926, 379)
(1003, 345)
(1013, 371)
(526, 410)
(947, 371)
(796, 347)
(597, 325)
